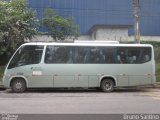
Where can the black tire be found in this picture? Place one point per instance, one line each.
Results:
(107, 85)
(18, 85)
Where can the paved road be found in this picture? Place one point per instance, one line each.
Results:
(93, 102)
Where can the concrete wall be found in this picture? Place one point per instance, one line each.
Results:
(115, 34)
(45, 38)
(41, 38)
(145, 38)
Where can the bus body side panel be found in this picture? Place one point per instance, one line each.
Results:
(8, 74)
(35, 76)
(133, 74)
(88, 75)
(72, 75)
(142, 74)
(82, 75)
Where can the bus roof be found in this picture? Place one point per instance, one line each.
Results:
(96, 41)
(87, 44)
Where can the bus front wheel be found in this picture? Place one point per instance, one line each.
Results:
(18, 85)
(107, 85)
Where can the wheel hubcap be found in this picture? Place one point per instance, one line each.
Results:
(18, 85)
(107, 85)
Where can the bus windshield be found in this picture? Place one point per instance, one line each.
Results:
(27, 55)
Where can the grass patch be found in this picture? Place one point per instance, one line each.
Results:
(1, 72)
(158, 72)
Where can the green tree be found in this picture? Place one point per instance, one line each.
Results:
(59, 28)
(17, 23)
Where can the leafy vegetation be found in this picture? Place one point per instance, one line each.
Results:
(59, 28)
(17, 23)
(1, 72)
(158, 72)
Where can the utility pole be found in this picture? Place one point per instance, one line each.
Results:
(136, 21)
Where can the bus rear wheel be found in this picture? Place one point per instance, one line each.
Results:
(107, 85)
(18, 85)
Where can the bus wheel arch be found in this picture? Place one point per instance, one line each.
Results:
(18, 84)
(107, 84)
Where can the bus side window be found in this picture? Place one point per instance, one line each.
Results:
(99, 57)
(131, 59)
(118, 59)
(146, 58)
(87, 57)
(134, 59)
(102, 57)
(79, 55)
(121, 56)
(61, 55)
(109, 55)
(48, 56)
(70, 56)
